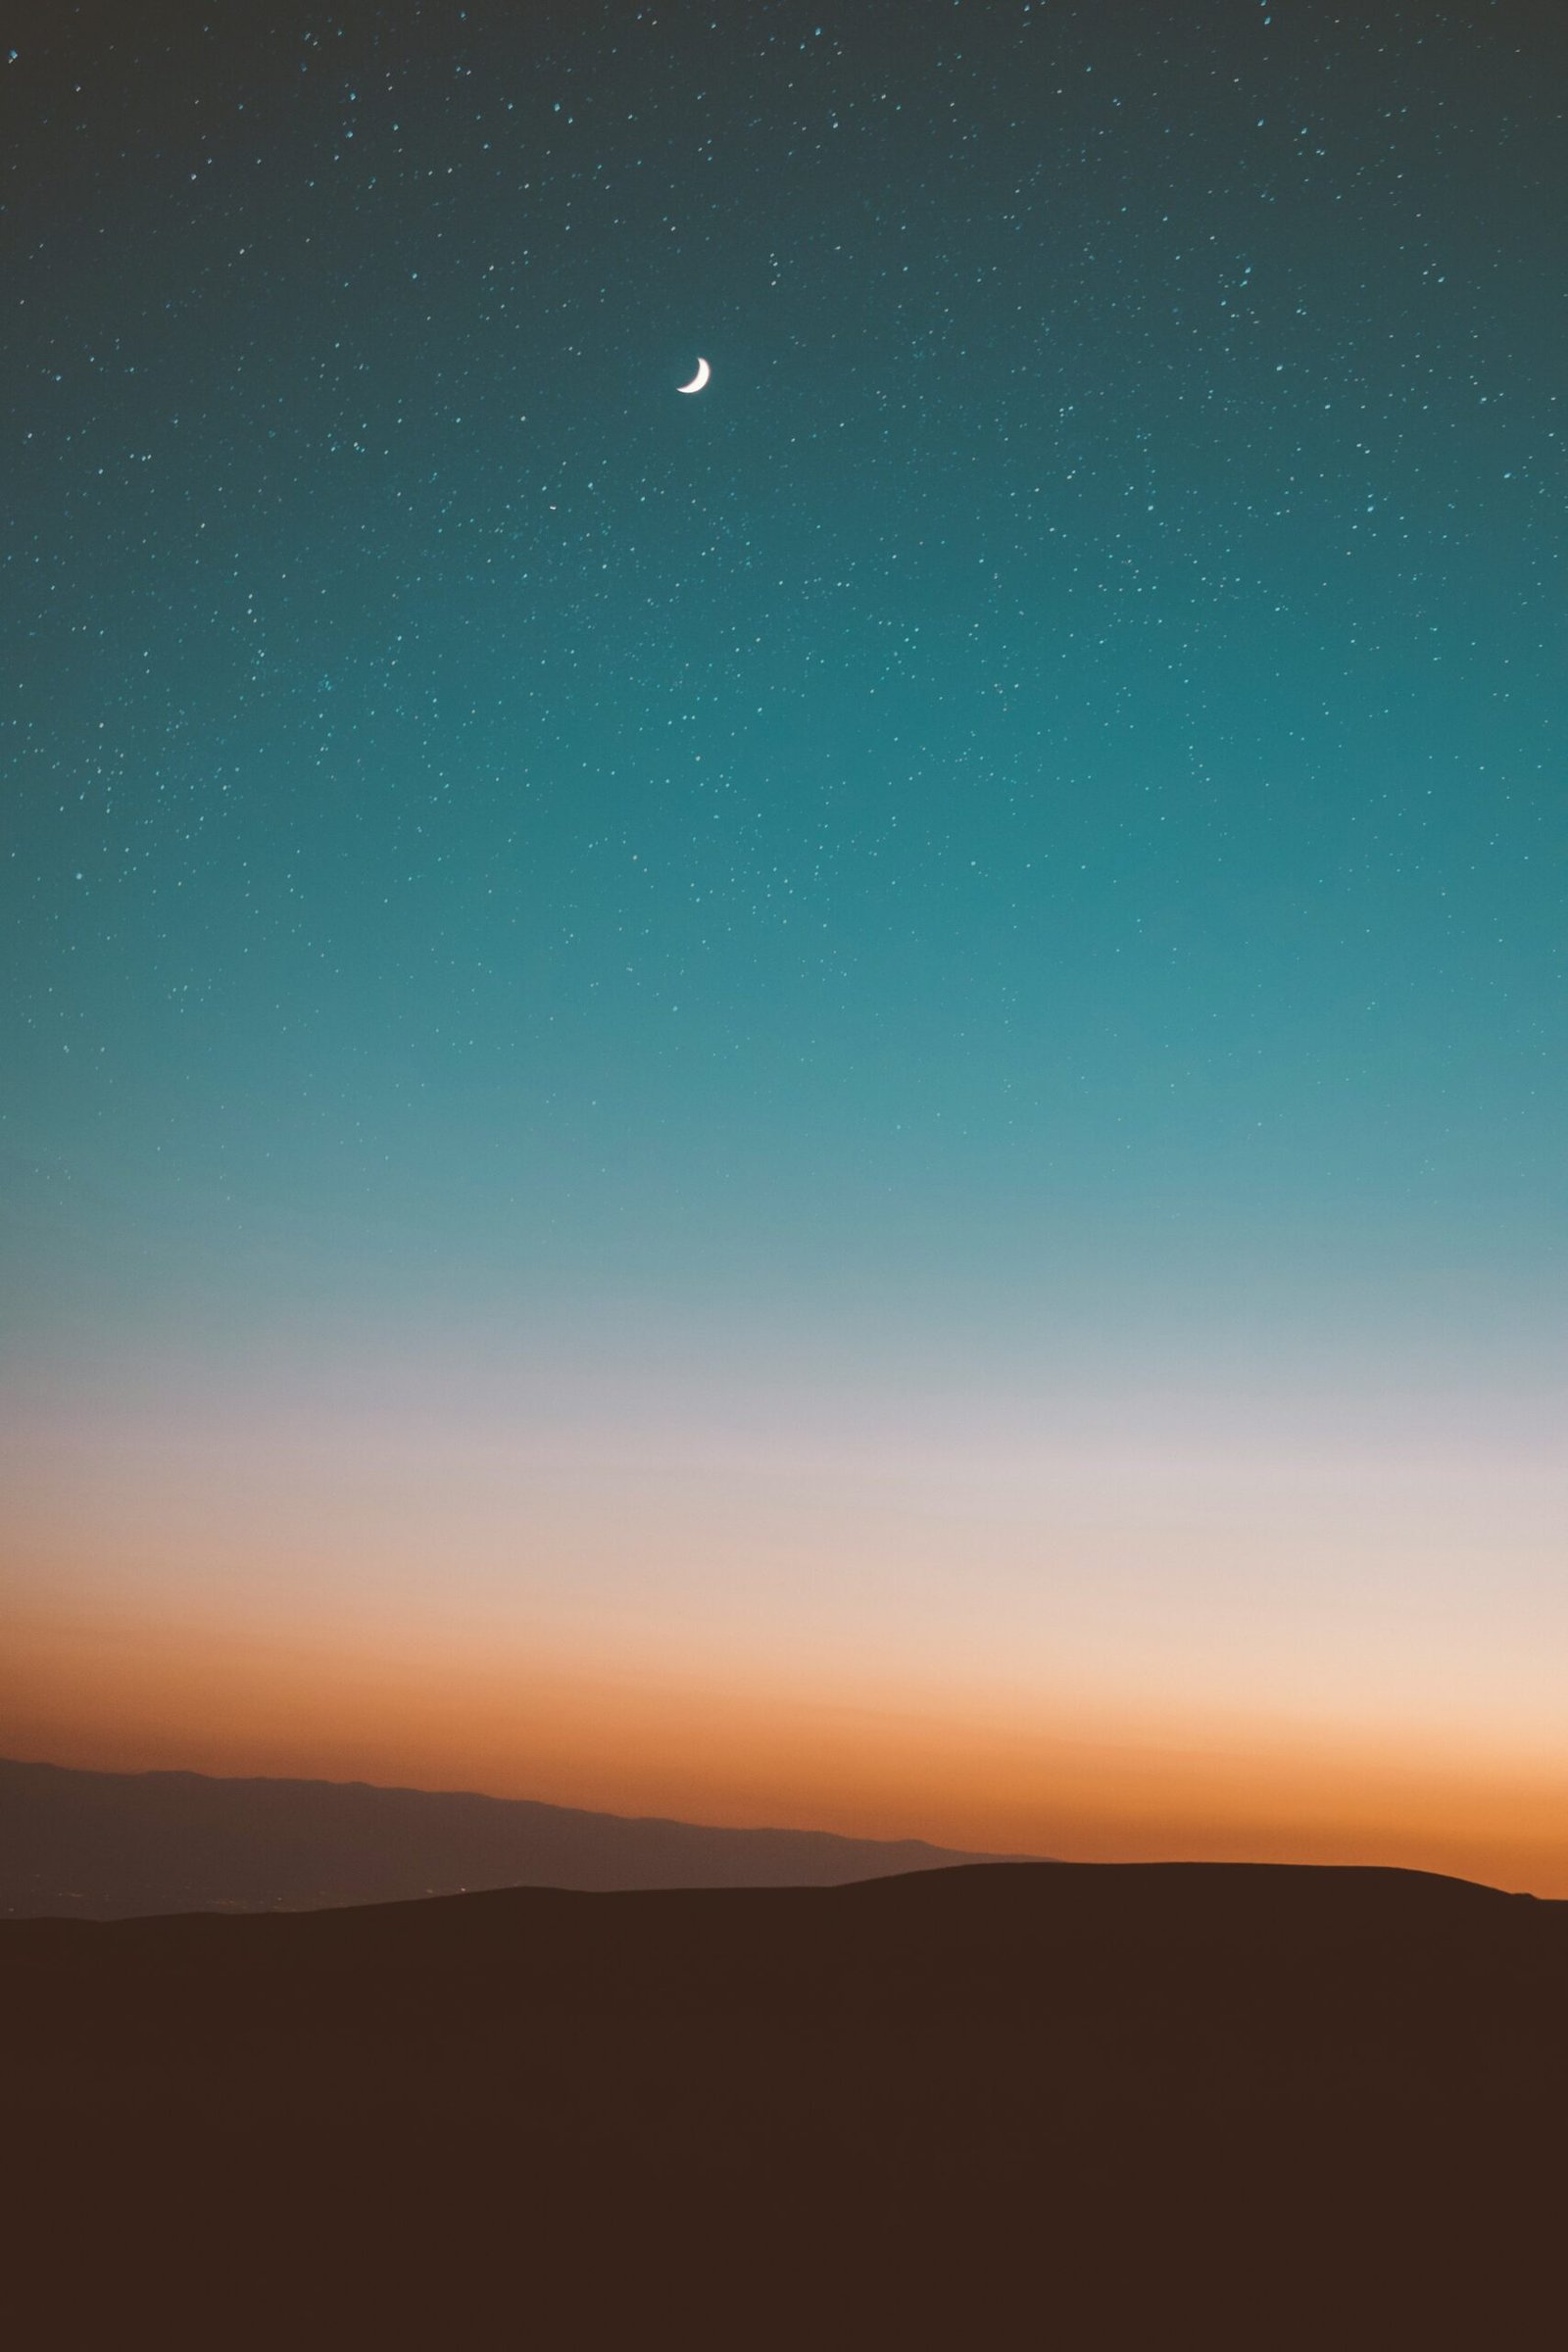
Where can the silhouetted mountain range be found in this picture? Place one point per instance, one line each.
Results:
(128, 1846)
(1084, 2106)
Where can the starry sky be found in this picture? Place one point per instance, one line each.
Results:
(841, 1101)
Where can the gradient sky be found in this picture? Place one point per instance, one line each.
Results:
(841, 1101)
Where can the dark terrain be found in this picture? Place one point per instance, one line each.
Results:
(1067, 2105)
(135, 1844)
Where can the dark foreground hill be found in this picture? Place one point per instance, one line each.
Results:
(135, 1844)
(1008, 2105)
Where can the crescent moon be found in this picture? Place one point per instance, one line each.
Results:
(703, 371)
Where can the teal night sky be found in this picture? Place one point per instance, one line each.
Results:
(991, 881)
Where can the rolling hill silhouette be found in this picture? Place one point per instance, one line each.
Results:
(1006, 2104)
(127, 1845)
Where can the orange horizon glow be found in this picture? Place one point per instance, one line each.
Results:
(965, 1768)
(1111, 1632)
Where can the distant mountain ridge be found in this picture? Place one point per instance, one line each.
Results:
(126, 1846)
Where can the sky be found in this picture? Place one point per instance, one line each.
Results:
(836, 1101)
